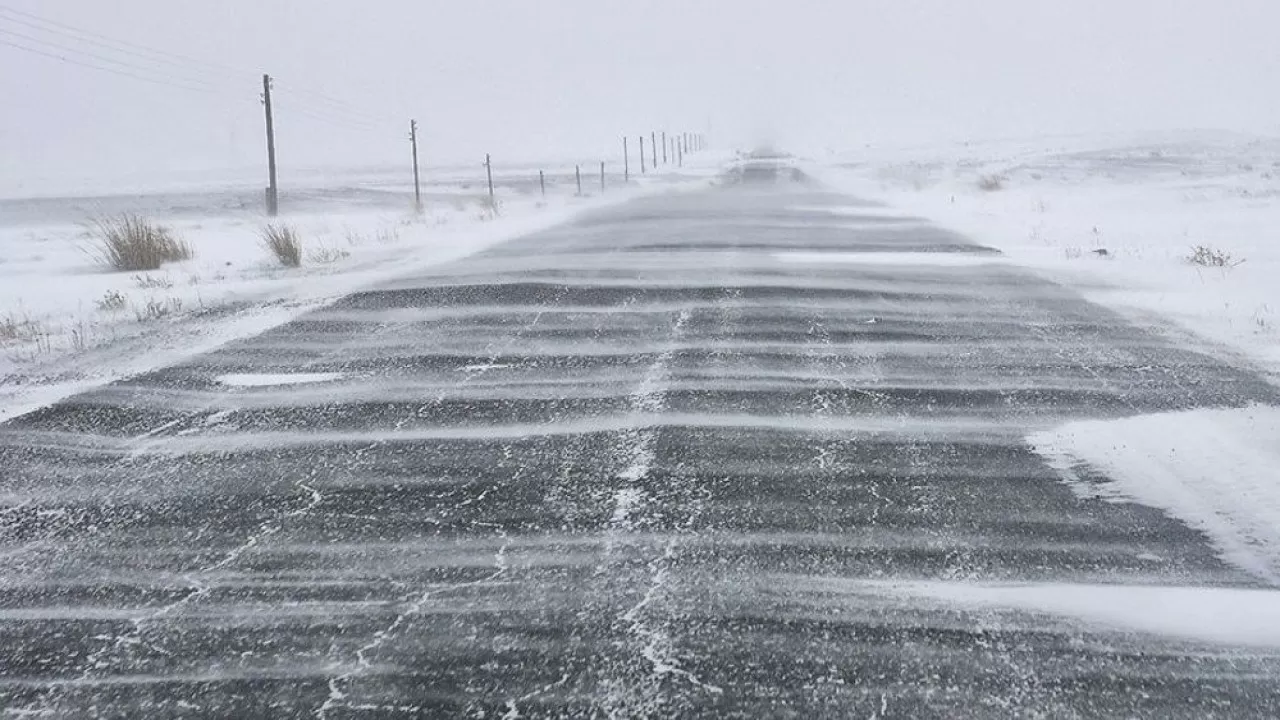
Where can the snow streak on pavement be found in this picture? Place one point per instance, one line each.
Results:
(670, 460)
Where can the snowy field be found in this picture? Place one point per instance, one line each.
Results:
(67, 323)
(1147, 201)
(1119, 219)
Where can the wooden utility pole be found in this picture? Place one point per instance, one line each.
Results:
(664, 147)
(643, 170)
(273, 190)
(626, 161)
(417, 184)
(601, 177)
(488, 170)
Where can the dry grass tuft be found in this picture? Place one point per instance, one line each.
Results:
(133, 243)
(284, 243)
(990, 183)
(1205, 256)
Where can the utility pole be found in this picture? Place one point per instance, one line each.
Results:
(664, 147)
(273, 190)
(643, 170)
(488, 169)
(601, 177)
(626, 161)
(577, 173)
(417, 184)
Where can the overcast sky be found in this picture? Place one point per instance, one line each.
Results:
(533, 78)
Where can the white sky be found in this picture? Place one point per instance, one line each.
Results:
(526, 79)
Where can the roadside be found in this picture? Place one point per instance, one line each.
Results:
(1117, 219)
(67, 324)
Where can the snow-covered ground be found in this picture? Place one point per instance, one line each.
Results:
(1147, 201)
(67, 324)
(1118, 218)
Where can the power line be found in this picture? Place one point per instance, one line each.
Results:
(333, 103)
(186, 82)
(329, 119)
(154, 55)
(102, 68)
(110, 41)
(306, 110)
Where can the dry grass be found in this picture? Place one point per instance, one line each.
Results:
(284, 243)
(990, 183)
(112, 301)
(1205, 256)
(156, 309)
(23, 330)
(327, 255)
(133, 243)
(489, 208)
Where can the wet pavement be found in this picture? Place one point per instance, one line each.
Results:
(667, 461)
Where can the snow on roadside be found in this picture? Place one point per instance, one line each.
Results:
(66, 325)
(1052, 206)
(1239, 617)
(1217, 470)
(1145, 201)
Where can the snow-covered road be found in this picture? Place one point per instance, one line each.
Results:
(683, 457)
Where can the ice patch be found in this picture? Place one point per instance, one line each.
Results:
(1216, 470)
(276, 379)
(1231, 616)
(944, 259)
(856, 211)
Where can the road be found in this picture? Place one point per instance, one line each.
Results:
(675, 459)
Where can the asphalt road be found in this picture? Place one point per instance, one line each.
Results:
(655, 463)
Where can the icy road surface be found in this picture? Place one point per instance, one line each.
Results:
(685, 457)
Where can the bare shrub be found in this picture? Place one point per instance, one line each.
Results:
(112, 301)
(23, 330)
(147, 282)
(1205, 256)
(283, 242)
(133, 243)
(327, 255)
(990, 183)
(156, 309)
(12, 329)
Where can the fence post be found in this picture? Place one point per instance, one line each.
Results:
(601, 177)
(542, 183)
(488, 170)
(577, 173)
(643, 170)
(626, 161)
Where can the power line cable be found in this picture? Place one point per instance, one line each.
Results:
(149, 54)
(115, 71)
(190, 83)
(27, 18)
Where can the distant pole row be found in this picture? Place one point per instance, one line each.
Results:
(674, 147)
